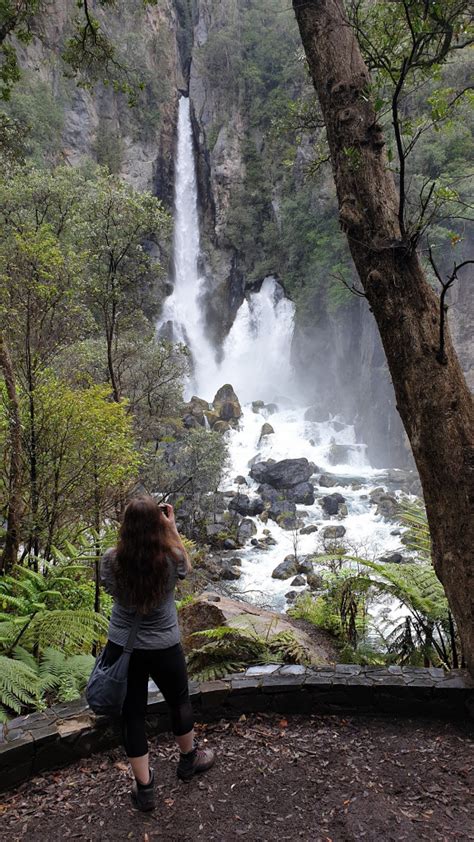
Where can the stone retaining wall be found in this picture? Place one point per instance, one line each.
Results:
(66, 732)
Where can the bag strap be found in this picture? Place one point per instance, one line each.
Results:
(133, 633)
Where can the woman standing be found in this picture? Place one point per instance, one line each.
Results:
(141, 574)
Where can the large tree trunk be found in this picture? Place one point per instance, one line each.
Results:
(433, 399)
(10, 550)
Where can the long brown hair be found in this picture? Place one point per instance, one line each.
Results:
(145, 548)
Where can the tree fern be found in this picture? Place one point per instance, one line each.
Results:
(414, 585)
(70, 630)
(417, 537)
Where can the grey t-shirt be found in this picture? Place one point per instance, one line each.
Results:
(159, 628)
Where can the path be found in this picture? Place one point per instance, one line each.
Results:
(295, 778)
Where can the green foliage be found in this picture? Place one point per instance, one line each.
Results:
(41, 118)
(19, 686)
(191, 467)
(34, 609)
(108, 147)
(47, 630)
(342, 607)
(417, 536)
(63, 675)
(229, 650)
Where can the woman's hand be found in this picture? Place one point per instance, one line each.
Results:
(168, 513)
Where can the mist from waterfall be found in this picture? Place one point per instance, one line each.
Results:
(256, 352)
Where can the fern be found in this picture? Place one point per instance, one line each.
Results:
(415, 585)
(19, 686)
(56, 675)
(417, 537)
(229, 649)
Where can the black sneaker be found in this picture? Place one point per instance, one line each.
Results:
(143, 797)
(197, 760)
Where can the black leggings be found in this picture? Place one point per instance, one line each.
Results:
(167, 668)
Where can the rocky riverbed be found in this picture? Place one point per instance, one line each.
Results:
(298, 486)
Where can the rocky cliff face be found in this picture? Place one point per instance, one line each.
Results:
(219, 126)
(137, 142)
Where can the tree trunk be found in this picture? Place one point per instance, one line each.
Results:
(432, 398)
(10, 550)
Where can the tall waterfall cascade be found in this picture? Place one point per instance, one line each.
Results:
(255, 359)
(256, 353)
(182, 311)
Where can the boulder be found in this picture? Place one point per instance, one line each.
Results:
(343, 512)
(229, 544)
(269, 494)
(238, 614)
(221, 426)
(271, 408)
(281, 509)
(240, 480)
(305, 566)
(393, 558)
(212, 417)
(376, 494)
(231, 574)
(332, 502)
(235, 561)
(327, 481)
(302, 493)
(245, 531)
(308, 530)
(191, 422)
(316, 413)
(197, 616)
(315, 581)
(287, 520)
(298, 582)
(287, 568)
(334, 532)
(267, 430)
(257, 406)
(388, 507)
(283, 474)
(259, 545)
(291, 595)
(195, 409)
(226, 404)
(269, 541)
(247, 506)
(258, 469)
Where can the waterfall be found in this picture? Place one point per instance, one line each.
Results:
(182, 315)
(256, 353)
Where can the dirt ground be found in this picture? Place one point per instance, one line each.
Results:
(324, 779)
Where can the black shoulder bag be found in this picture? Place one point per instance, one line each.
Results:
(107, 685)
